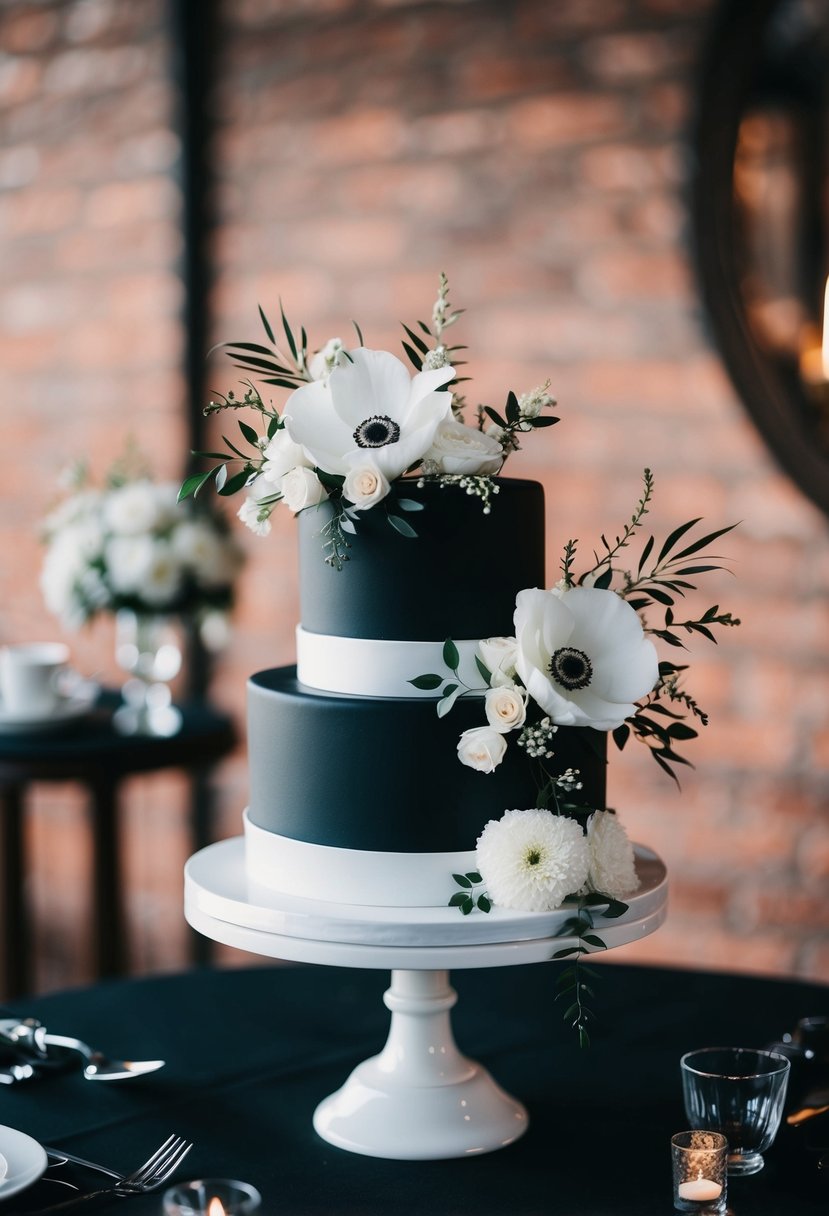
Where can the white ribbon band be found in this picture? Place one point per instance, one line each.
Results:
(351, 876)
(365, 667)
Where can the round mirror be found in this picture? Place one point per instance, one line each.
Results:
(760, 210)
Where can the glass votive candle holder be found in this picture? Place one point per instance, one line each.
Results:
(700, 1161)
(211, 1197)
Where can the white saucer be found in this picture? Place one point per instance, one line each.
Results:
(26, 1158)
(65, 713)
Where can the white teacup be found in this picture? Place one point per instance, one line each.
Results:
(30, 677)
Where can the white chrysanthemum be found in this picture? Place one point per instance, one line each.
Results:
(583, 655)
(612, 866)
(369, 404)
(532, 860)
(62, 568)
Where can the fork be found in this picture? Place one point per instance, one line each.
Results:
(152, 1174)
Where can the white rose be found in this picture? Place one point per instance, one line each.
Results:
(481, 748)
(505, 709)
(364, 486)
(458, 448)
(280, 456)
(302, 488)
(498, 655)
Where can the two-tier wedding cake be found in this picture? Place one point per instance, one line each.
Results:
(443, 736)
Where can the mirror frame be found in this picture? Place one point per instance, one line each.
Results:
(770, 390)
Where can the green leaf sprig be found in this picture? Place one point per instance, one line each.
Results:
(465, 898)
(571, 983)
(453, 687)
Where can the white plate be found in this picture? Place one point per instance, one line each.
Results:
(26, 1158)
(62, 715)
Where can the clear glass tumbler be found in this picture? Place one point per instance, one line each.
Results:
(739, 1092)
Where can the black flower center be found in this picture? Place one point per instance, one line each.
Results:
(571, 668)
(533, 857)
(376, 432)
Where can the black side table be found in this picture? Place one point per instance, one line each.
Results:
(94, 755)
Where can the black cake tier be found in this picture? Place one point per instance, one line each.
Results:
(369, 773)
(458, 579)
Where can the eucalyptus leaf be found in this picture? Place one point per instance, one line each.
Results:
(462, 881)
(427, 683)
(401, 526)
(451, 655)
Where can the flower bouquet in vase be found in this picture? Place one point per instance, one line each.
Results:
(127, 548)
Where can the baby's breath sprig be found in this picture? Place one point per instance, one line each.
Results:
(476, 485)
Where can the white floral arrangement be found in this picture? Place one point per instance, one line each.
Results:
(356, 424)
(129, 544)
(583, 656)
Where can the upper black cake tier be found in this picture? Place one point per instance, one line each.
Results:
(458, 579)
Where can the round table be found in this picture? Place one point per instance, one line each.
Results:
(90, 752)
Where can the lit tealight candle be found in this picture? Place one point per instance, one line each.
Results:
(701, 1189)
(216, 1207)
(825, 346)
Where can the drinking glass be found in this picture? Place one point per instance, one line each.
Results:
(739, 1092)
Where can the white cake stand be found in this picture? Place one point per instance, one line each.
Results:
(420, 1098)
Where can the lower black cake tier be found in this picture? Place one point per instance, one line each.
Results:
(377, 774)
(457, 578)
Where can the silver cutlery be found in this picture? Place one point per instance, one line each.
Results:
(16, 1072)
(31, 1040)
(99, 1067)
(59, 1156)
(148, 1177)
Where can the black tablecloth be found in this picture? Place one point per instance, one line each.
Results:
(251, 1052)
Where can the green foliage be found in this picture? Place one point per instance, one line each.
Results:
(465, 898)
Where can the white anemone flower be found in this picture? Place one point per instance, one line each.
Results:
(532, 860)
(612, 865)
(583, 655)
(369, 404)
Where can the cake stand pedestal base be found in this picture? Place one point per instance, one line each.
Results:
(420, 1099)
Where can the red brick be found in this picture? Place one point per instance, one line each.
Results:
(26, 30)
(634, 57)
(565, 118)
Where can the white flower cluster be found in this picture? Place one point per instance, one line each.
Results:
(533, 860)
(537, 740)
(328, 427)
(133, 546)
(580, 655)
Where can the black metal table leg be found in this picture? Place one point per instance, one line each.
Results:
(110, 944)
(15, 970)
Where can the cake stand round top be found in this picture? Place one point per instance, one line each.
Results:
(221, 903)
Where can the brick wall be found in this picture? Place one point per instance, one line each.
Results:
(535, 151)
